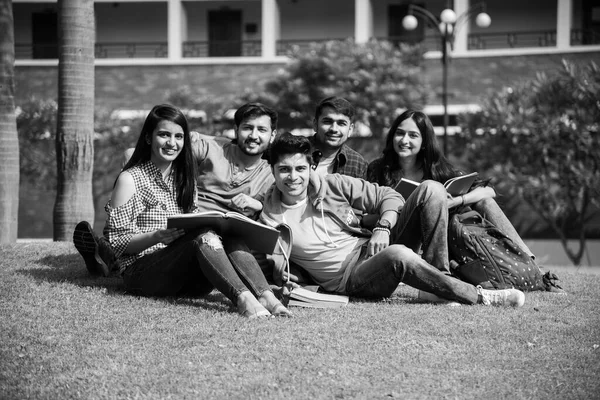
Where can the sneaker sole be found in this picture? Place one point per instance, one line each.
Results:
(86, 245)
(432, 298)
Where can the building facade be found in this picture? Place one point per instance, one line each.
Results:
(146, 48)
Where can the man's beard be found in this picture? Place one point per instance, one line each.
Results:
(260, 149)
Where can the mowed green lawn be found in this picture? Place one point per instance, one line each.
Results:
(64, 334)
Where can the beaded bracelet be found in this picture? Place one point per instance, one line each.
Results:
(381, 228)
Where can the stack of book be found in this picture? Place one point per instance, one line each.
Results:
(308, 297)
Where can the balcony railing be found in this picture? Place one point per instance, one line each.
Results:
(252, 48)
(29, 51)
(584, 37)
(101, 50)
(503, 40)
(132, 50)
(222, 48)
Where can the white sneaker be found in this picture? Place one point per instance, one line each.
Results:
(432, 298)
(504, 297)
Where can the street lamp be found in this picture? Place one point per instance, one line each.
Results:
(446, 26)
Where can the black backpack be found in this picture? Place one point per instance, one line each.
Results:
(482, 255)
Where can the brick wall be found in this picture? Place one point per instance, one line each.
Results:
(140, 87)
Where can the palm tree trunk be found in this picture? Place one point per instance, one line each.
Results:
(75, 119)
(9, 140)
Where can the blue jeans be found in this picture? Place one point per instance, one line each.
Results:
(194, 265)
(380, 275)
(423, 223)
(490, 210)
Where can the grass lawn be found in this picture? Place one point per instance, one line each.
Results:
(64, 334)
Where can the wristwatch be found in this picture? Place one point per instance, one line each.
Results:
(383, 223)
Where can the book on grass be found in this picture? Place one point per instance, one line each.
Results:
(456, 186)
(257, 236)
(305, 297)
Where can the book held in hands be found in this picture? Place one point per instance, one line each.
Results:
(257, 236)
(456, 186)
(304, 297)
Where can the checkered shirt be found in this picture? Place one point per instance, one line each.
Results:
(146, 211)
(347, 162)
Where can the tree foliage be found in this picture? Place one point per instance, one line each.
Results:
(541, 139)
(377, 77)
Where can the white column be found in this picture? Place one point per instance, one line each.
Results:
(176, 28)
(461, 38)
(564, 20)
(270, 28)
(363, 21)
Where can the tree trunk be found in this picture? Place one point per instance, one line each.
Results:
(75, 119)
(9, 140)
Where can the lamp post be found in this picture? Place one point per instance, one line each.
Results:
(446, 26)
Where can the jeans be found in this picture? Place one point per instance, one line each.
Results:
(423, 222)
(195, 264)
(490, 210)
(379, 276)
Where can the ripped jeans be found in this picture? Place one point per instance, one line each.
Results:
(195, 264)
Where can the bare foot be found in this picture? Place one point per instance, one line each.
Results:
(251, 308)
(270, 302)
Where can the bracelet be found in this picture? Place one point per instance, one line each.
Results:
(462, 200)
(382, 229)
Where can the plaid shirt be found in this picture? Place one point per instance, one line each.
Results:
(146, 211)
(347, 162)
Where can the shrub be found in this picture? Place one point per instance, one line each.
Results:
(540, 139)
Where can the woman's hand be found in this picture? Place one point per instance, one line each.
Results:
(245, 204)
(455, 201)
(168, 236)
(379, 241)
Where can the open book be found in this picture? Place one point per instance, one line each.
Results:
(456, 186)
(257, 236)
(304, 297)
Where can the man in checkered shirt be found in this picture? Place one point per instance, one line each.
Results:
(333, 124)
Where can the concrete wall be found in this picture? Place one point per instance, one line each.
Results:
(334, 19)
(131, 22)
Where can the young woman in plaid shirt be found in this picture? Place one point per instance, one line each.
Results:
(157, 182)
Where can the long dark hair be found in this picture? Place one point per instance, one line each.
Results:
(435, 165)
(184, 167)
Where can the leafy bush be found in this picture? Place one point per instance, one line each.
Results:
(540, 139)
(204, 110)
(36, 124)
(377, 77)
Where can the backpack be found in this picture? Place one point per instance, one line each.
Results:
(482, 255)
